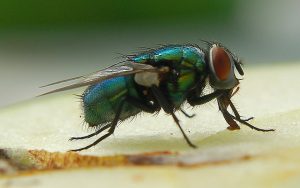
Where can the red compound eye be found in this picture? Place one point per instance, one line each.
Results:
(221, 62)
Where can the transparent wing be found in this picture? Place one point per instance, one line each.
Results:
(104, 74)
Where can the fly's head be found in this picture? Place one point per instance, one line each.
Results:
(222, 63)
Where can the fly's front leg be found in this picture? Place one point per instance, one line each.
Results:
(236, 113)
(195, 100)
(224, 101)
(237, 117)
(169, 108)
(223, 105)
(230, 120)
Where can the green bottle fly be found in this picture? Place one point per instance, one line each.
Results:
(163, 78)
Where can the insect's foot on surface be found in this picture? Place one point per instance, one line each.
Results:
(79, 149)
(191, 144)
(253, 127)
(247, 119)
(263, 130)
(187, 115)
(91, 135)
(77, 138)
(231, 128)
(192, 115)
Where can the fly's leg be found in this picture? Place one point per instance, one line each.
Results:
(182, 131)
(135, 102)
(230, 121)
(110, 130)
(231, 118)
(168, 108)
(224, 101)
(192, 100)
(236, 113)
(186, 114)
(237, 117)
(93, 134)
(206, 98)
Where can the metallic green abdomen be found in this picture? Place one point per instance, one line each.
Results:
(100, 101)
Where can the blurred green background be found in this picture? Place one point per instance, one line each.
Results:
(50, 40)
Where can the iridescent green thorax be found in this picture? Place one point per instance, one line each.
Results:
(187, 61)
(187, 56)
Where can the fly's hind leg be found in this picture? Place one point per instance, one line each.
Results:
(93, 134)
(111, 129)
(168, 108)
